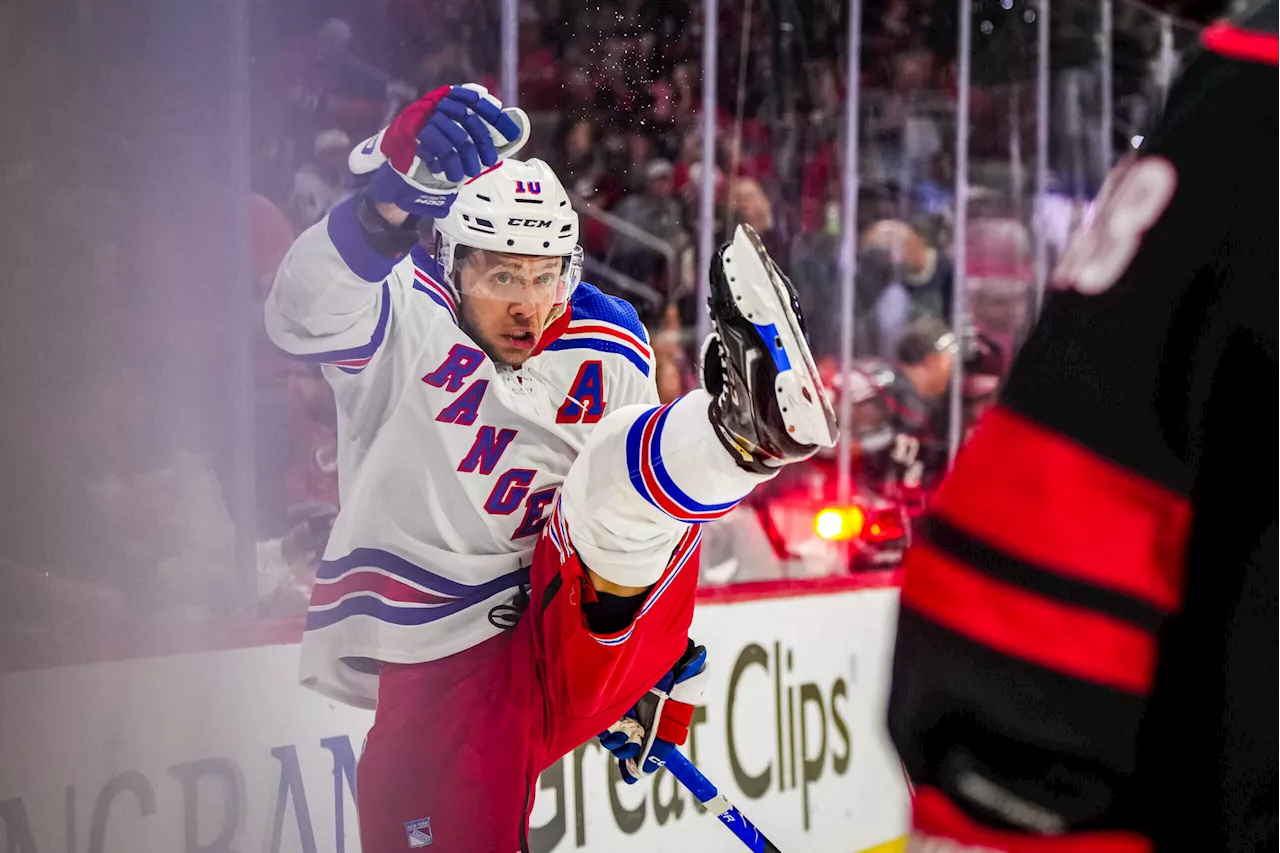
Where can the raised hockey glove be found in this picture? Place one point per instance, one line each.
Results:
(642, 740)
(434, 144)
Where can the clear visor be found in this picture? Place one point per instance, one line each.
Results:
(526, 279)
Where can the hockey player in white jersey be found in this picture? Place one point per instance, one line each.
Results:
(511, 572)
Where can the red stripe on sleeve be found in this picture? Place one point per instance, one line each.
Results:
(1019, 623)
(1045, 499)
(374, 582)
(935, 816)
(614, 333)
(1234, 43)
(648, 449)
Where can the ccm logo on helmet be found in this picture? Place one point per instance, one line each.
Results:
(529, 223)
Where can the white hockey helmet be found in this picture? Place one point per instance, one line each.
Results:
(515, 207)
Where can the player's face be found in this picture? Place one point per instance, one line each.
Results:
(509, 300)
(939, 374)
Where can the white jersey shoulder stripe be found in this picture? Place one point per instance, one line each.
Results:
(354, 359)
(605, 329)
(439, 294)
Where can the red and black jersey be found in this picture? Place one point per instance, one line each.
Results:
(903, 455)
(1087, 650)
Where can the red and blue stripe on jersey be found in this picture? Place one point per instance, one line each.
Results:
(377, 583)
(355, 359)
(604, 324)
(429, 278)
(650, 477)
(558, 533)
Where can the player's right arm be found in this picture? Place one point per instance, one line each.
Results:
(331, 302)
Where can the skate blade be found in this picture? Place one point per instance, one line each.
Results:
(763, 301)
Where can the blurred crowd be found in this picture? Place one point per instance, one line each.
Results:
(614, 92)
(153, 492)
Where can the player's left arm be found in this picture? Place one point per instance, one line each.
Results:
(622, 601)
(635, 385)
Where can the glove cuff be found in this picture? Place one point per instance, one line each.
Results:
(390, 241)
(673, 725)
(368, 244)
(388, 186)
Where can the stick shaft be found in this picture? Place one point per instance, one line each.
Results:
(700, 786)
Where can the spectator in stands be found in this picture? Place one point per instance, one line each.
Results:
(901, 278)
(662, 116)
(349, 76)
(684, 94)
(935, 194)
(287, 564)
(690, 189)
(537, 73)
(689, 157)
(925, 353)
(577, 93)
(673, 372)
(322, 182)
(440, 43)
(313, 473)
(139, 506)
(655, 212)
(751, 206)
(816, 276)
(639, 156)
(583, 161)
(289, 551)
(326, 85)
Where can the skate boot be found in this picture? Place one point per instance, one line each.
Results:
(769, 406)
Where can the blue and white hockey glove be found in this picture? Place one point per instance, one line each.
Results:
(434, 144)
(642, 740)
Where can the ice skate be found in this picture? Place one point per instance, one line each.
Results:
(770, 408)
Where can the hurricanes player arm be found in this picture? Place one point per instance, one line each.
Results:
(1086, 654)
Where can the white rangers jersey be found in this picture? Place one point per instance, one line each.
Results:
(449, 464)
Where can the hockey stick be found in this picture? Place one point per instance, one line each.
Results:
(700, 786)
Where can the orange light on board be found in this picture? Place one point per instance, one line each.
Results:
(839, 523)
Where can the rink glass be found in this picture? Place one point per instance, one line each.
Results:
(168, 472)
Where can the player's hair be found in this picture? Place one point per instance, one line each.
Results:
(928, 334)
